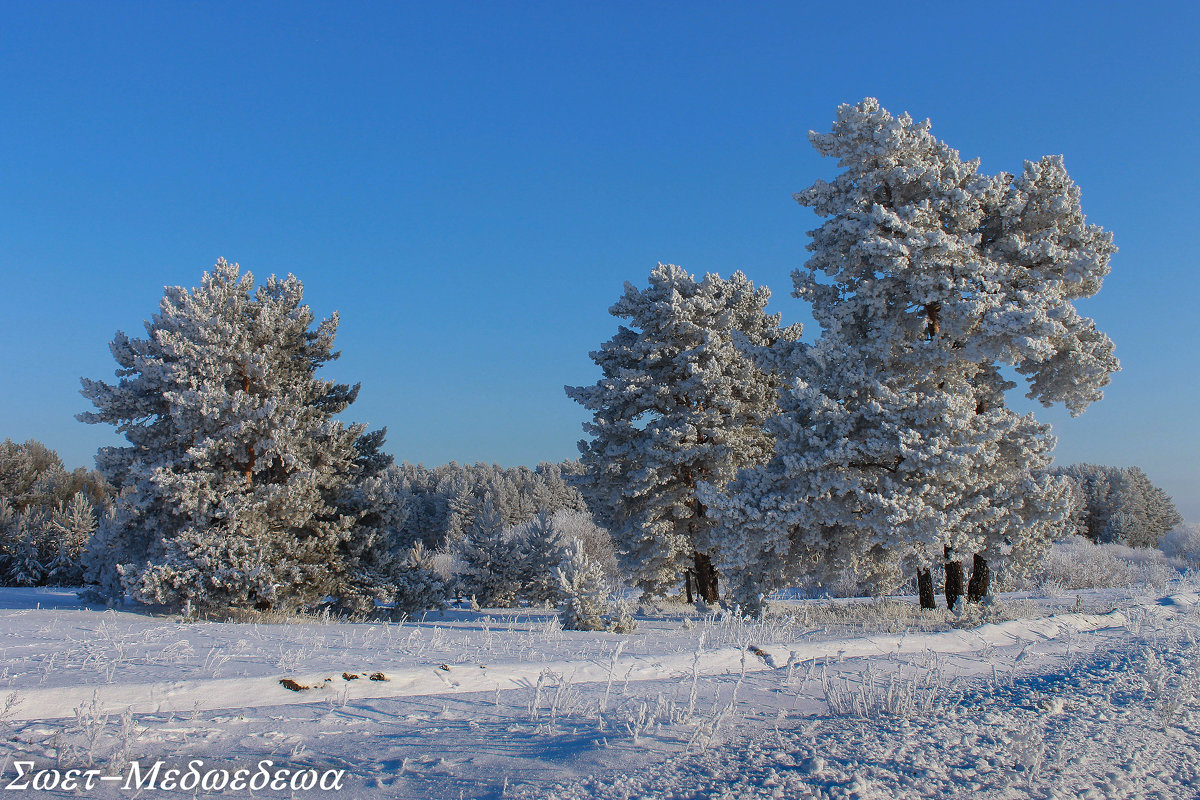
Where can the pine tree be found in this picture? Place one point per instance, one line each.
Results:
(235, 462)
(541, 551)
(376, 498)
(72, 526)
(102, 557)
(489, 564)
(895, 448)
(586, 597)
(1120, 505)
(679, 405)
(1159, 513)
(416, 584)
(27, 563)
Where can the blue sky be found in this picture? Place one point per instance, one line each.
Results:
(470, 184)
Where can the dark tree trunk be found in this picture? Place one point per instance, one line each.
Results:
(925, 588)
(248, 469)
(954, 578)
(706, 578)
(687, 584)
(980, 585)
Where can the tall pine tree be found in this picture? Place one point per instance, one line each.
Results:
(679, 405)
(235, 464)
(896, 448)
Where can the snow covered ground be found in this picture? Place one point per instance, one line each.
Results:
(1090, 693)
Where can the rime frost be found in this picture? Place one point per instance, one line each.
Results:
(679, 404)
(235, 463)
(894, 446)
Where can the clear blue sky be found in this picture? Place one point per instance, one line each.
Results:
(470, 184)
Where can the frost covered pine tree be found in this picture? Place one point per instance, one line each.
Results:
(586, 596)
(895, 448)
(234, 463)
(679, 404)
(1120, 505)
(489, 563)
(416, 584)
(540, 552)
(72, 525)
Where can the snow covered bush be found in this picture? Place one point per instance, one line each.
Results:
(1078, 563)
(586, 597)
(1183, 542)
(235, 463)
(597, 543)
(895, 448)
(416, 583)
(679, 404)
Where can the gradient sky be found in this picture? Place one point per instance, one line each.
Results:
(470, 185)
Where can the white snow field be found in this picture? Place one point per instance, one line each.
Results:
(1090, 693)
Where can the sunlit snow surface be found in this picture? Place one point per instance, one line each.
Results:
(1088, 694)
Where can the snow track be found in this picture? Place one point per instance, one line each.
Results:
(253, 692)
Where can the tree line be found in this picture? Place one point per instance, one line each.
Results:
(726, 456)
(723, 445)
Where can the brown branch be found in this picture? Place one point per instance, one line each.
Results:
(933, 325)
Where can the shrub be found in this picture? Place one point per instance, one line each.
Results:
(1182, 542)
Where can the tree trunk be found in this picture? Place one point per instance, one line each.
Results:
(980, 585)
(954, 578)
(933, 324)
(706, 578)
(925, 588)
(687, 584)
(248, 470)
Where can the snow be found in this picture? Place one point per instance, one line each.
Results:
(1089, 694)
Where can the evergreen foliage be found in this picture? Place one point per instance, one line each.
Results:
(540, 552)
(679, 404)
(41, 546)
(416, 585)
(26, 551)
(895, 447)
(32, 474)
(71, 526)
(489, 564)
(444, 502)
(235, 464)
(586, 596)
(1120, 505)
